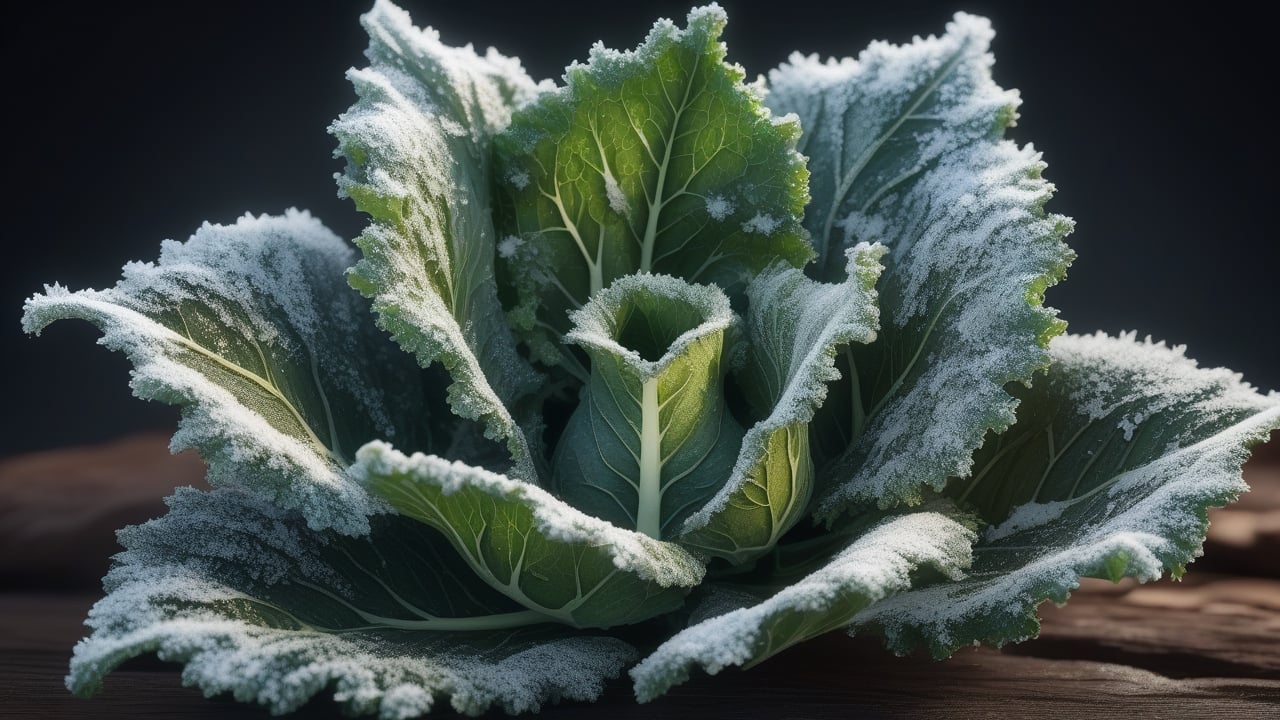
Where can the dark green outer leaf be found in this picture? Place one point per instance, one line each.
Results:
(905, 148)
(1118, 453)
(250, 329)
(254, 603)
(876, 564)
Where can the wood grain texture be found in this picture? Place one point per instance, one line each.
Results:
(1206, 647)
(1209, 648)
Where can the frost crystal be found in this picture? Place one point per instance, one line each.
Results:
(509, 245)
(761, 223)
(718, 207)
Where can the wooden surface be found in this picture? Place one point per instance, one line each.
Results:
(1207, 647)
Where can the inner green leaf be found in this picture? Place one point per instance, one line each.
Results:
(652, 439)
(536, 550)
(796, 327)
(654, 160)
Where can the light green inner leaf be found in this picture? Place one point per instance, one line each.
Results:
(654, 160)
(796, 327)
(652, 439)
(547, 556)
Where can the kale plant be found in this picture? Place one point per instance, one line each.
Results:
(653, 353)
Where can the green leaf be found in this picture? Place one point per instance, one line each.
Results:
(531, 547)
(417, 146)
(905, 148)
(250, 329)
(254, 603)
(796, 326)
(1118, 453)
(654, 160)
(651, 440)
(877, 564)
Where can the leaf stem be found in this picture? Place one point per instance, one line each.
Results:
(649, 512)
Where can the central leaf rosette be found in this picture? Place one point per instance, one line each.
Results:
(640, 239)
(652, 439)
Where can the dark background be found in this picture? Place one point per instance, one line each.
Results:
(134, 123)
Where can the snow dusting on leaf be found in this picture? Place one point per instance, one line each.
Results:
(251, 331)
(417, 149)
(1070, 496)
(877, 564)
(905, 147)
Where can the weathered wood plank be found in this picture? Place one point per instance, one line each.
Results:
(1205, 649)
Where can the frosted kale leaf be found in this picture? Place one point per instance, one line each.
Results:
(905, 148)
(796, 326)
(731, 449)
(652, 439)
(255, 603)
(652, 160)
(540, 552)
(250, 329)
(876, 565)
(1118, 453)
(417, 147)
